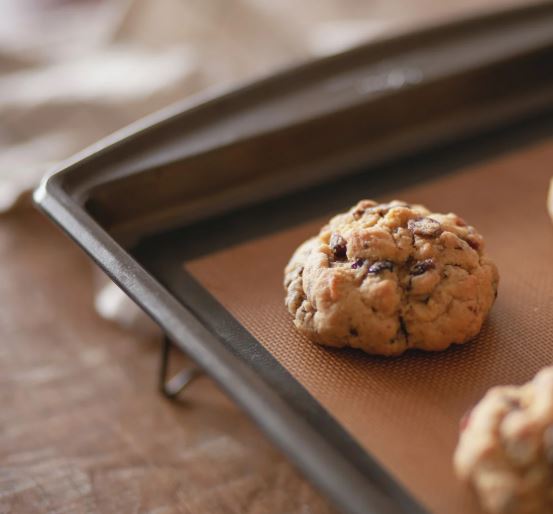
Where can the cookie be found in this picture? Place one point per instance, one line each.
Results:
(388, 277)
(506, 448)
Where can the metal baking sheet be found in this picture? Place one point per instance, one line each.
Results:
(405, 411)
(171, 203)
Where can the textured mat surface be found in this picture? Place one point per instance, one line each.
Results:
(405, 411)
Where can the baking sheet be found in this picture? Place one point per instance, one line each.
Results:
(405, 411)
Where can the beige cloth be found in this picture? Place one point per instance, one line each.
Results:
(72, 72)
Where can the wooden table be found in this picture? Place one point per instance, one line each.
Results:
(82, 427)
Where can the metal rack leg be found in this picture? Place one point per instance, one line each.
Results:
(172, 387)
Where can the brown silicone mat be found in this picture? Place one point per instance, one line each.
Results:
(405, 411)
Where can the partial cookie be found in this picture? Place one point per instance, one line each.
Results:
(506, 448)
(388, 277)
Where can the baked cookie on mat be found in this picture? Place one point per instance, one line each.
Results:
(506, 448)
(388, 277)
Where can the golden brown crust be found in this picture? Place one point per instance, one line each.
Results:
(388, 277)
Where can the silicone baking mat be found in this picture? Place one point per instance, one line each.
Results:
(405, 411)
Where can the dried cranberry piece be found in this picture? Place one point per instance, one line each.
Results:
(422, 267)
(338, 245)
(358, 263)
(473, 243)
(425, 227)
(379, 266)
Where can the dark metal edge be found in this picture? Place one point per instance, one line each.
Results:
(328, 468)
(245, 346)
(215, 95)
(164, 256)
(318, 446)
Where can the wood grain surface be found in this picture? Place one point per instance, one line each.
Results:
(82, 427)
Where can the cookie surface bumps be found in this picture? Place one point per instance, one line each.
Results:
(506, 448)
(388, 277)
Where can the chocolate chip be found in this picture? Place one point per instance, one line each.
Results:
(338, 245)
(422, 267)
(379, 266)
(425, 227)
(358, 263)
(353, 332)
